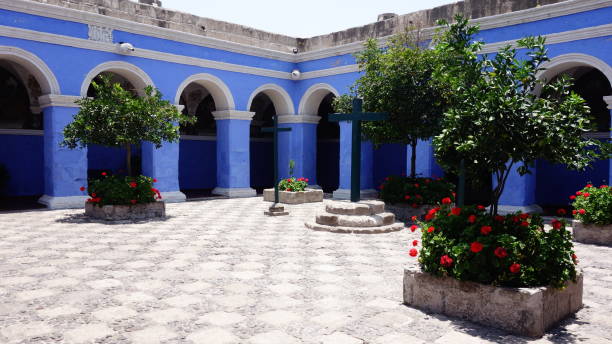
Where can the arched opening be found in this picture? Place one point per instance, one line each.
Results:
(261, 145)
(21, 137)
(197, 151)
(328, 147)
(556, 182)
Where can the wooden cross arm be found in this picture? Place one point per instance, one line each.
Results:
(271, 130)
(364, 116)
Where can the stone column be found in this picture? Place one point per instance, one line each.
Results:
(367, 165)
(608, 101)
(233, 153)
(65, 169)
(519, 193)
(299, 145)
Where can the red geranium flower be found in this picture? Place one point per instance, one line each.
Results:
(524, 224)
(416, 185)
(431, 229)
(93, 194)
(481, 207)
(586, 194)
(82, 188)
(578, 193)
(446, 200)
(603, 186)
(589, 186)
(133, 201)
(561, 212)
(103, 173)
(456, 211)
(154, 180)
(306, 180)
(575, 258)
(581, 211)
(414, 228)
(515, 268)
(556, 224)
(429, 217)
(485, 230)
(524, 216)
(572, 197)
(574, 212)
(414, 218)
(415, 243)
(499, 218)
(414, 205)
(446, 261)
(407, 197)
(133, 184)
(472, 218)
(413, 252)
(500, 252)
(475, 247)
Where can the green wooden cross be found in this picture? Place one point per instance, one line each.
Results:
(356, 117)
(275, 130)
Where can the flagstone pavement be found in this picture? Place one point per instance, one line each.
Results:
(219, 271)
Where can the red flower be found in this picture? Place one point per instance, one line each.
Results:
(416, 185)
(515, 268)
(586, 194)
(574, 212)
(306, 180)
(481, 207)
(414, 228)
(575, 258)
(133, 201)
(578, 193)
(499, 218)
(431, 229)
(456, 211)
(515, 219)
(485, 230)
(572, 197)
(500, 252)
(524, 216)
(446, 261)
(133, 184)
(103, 173)
(159, 194)
(556, 224)
(289, 189)
(561, 212)
(581, 211)
(589, 186)
(429, 217)
(414, 205)
(154, 180)
(472, 218)
(93, 194)
(414, 218)
(475, 247)
(524, 224)
(603, 186)
(407, 197)
(82, 188)
(413, 252)
(415, 243)
(446, 200)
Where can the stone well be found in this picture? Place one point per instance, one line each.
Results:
(592, 234)
(126, 212)
(365, 217)
(287, 197)
(523, 311)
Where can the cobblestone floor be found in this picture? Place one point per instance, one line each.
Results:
(219, 271)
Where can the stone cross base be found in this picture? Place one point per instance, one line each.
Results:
(365, 217)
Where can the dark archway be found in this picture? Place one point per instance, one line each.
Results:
(328, 147)
(261, 146)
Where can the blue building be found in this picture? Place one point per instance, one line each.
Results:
(234, 79)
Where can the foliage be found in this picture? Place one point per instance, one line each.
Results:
(293, 184)
(117, 118)
(122, 190)
(512, 251)
(4, 177)
(415, 191)
(397, 79)
(291, 167)
(593, 205)
(496, 122)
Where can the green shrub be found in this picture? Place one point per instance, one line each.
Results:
(292, 184)
(593, 205)
(415, 191)
(122, 190)
(513, 250)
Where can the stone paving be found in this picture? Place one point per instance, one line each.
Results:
(219, 271)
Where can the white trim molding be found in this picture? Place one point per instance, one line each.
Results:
(608, 100)
(219, 91)
(299, 119)
(280, 98)
(233, 114)
(67, 202)
(235, 192)
(311, 100)
(330, 71)
(561, 63)
(33, 64)
(22, 132)
(136, 76)
(58, 100)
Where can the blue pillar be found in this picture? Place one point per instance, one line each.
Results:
(65, 170)
(426, 165)
(519, 193)
(299, 145)
(367, 165)
(233, 161)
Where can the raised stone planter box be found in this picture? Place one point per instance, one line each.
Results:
(523, 311)
(404, 212)
(592, 234)
(126, 212)
(286, 197)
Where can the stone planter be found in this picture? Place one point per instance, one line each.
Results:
(404, 212)
(126, 212)
(523, 311)
(592, 234)
(287, 197)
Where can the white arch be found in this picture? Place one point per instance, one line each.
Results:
(136, 76)
(39, 69)
(564, 62)
(280, 98)
(309, 104)
(219, 91)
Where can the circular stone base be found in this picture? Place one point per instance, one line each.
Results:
(355, 230)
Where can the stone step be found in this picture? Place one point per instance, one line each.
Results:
(381, 219)
(355, 230)
(360, 208)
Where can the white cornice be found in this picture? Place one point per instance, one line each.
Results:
(37, 36)
(233, 114)
(57, 100)
(330, 71)
(299, 119)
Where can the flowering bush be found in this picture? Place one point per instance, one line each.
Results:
(292, 184)
(593, 205)
(513, 250)
(121, 190)
(415, 191)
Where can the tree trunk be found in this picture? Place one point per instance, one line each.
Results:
(413, 159)
(128, 158)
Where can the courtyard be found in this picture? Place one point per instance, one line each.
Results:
(219, 271)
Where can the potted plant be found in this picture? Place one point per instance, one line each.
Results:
(593, 215)
(116, 117)
(294, 190)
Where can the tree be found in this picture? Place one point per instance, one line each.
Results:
(397, 79)
(117, 118)
(496, 121)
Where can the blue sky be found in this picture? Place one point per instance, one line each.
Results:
(305, 18)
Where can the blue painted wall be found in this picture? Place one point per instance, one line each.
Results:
(389, 160)
(109, 158)
(197, 164)
(22, 155)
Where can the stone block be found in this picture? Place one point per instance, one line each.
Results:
(523, 311)
(592, 234)
(404, 212)
(287, 197)
(126, 212)
(355, 230)
(365, 220)
(360, 208)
